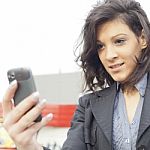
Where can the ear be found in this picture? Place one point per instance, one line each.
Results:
(142, 40)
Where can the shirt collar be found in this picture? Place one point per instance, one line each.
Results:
(141, 85)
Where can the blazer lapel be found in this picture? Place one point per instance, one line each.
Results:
(145, 115)
(102, 109)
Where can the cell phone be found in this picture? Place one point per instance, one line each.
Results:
(26, 84)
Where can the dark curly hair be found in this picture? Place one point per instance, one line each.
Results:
(130, 12)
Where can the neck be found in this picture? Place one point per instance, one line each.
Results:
(129, 90)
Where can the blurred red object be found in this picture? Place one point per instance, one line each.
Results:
(62, 114)
(7, 148)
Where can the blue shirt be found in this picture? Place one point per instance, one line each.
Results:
(125, 133)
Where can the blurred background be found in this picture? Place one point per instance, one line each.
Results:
(42, 35)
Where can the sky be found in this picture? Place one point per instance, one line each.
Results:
(41, 34)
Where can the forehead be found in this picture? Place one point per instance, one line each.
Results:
(113, 28)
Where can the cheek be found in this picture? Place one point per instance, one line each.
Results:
(131, 63)
(131, 58)
(102, 60)
(133, 51)
(101, 56)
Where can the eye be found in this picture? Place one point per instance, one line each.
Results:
(120, 41)
(99, 46)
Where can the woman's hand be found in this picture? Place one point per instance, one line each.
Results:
(19, 121)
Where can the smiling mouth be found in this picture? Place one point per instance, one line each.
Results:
(116, 66)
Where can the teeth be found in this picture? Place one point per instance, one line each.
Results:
(115, 66)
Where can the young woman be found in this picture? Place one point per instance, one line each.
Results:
(115, 58)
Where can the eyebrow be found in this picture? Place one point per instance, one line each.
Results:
(120, 34)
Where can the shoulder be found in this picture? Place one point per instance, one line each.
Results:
(85, 99)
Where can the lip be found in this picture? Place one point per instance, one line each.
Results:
(116, 67)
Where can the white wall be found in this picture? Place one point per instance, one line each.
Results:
(40, 34)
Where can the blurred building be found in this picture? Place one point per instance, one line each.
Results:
(62, 88)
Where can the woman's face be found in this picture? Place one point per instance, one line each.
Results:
(118, 49)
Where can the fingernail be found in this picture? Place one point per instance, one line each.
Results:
(12, 83)
(42, 102)
(36, 95)
(49, 116)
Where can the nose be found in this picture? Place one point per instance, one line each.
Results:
(111, 53)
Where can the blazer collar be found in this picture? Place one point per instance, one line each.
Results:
(102, 109)
(145, 115)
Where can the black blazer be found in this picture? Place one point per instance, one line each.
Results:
(91, 127)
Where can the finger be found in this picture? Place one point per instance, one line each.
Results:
(37, 126)
(24, 106)
(28, 119)
(7, 99)
(25, 137)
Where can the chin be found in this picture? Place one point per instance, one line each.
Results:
(120, 76)
(119, 79)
